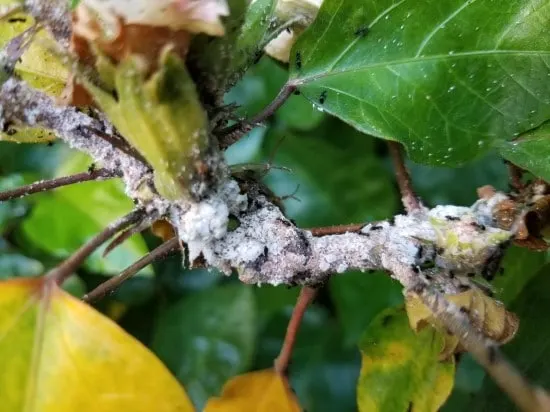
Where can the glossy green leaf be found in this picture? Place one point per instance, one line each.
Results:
(448, 78)
(401, 369)
(335, 172)
(207, 338)
(531, 151)
(529, 350)
(62, 220)
(359, 297)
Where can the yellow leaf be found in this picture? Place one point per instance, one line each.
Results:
(162, 117)
(486, 314)
(58, 354)
(262, 391)
(401, 370)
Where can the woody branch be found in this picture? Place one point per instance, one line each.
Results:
(267, 247)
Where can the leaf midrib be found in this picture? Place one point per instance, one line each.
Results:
(410, 60)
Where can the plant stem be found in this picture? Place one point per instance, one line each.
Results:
(307, 294)
(114, 282)
(336, 230)
(232, 134)
(69, 266)
(118, 143)
(45, 185)
(408, 197)
(526, 396)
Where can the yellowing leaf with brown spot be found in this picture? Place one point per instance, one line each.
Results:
(262, 391)
(486, 314)
(401, 370)
(58, 354)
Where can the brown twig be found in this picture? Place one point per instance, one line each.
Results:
(233, 133)
(111, 284)
(118, 143)
(307, 294)
(60, 273)
(45, 185)
(526, 396)
(125, 235)
(336, 230)
(408, 197)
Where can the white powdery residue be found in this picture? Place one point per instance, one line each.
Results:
(443, 212)
(31, 114)
(483, 208)
(342, 267)
(202, 224)
(230, 193)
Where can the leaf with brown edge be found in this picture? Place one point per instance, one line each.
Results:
(58, 354)
(402, 370)
(261, 391)
(487, 315)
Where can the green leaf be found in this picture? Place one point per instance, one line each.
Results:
(401, 370)
(271, 300)
(207, 338)
(214, 57)
(448, 78)
(75, 286)
(253, 32)
(62, 220)
(531, 151)
(340, 179)
(468, 380)
(14, 208)
(457, 186)
(323, 372)
(356, 312)
(162, 117)
(16, 265)
(519, 266)
(529, 350)
(260, 85)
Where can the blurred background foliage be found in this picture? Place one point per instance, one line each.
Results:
(207, 327)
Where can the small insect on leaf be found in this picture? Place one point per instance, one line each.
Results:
(298, 60)
(362, 31)
(323, 97)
